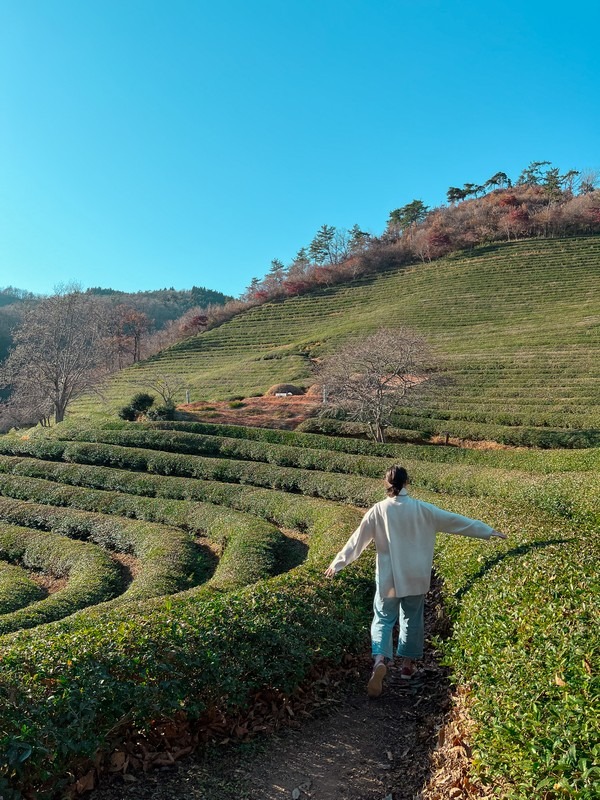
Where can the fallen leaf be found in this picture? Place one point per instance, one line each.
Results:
(117, 761)
(559, 681)
(87, 782)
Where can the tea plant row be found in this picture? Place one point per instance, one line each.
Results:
(525, 623)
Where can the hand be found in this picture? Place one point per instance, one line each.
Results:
(498, 534)
(329, 572)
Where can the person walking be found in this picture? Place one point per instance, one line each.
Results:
(404, 531)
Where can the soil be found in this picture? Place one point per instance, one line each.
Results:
(49, 583)
(338, 745)
(263, 412)
(288, 412)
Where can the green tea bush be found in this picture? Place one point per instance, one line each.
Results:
(167, 557)
(17, 589)
(531, 460)
(92, 576)
(249, 544)
(525, 614)
(138, 405)
(166, 411)
(176, 654)
(526, 636)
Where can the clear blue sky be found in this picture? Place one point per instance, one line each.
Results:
(146, 144)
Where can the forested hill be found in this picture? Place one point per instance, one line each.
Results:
(515, 326)
(161, 306)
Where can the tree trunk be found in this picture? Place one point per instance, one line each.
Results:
(59, 410)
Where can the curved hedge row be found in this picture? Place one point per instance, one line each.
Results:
(167, 556)
(375, 457)
(92, 575)
(16, 588)
(534, 460)
(231, 448)
(199, 650)
(573, 495)
(191, 653)
(248, 544)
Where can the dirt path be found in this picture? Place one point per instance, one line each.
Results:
(350, 748)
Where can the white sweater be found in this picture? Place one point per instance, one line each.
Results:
(404, 533)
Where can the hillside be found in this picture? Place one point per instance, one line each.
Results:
(152, 574)
(516, 326)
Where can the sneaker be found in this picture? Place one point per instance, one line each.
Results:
(375, 685)
(407, 672)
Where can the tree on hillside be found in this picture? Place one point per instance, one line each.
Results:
(252, 288)
(568, 180)
(498, 179)
(277, 269)
(412, 213)
(455, 194)
(368, 378)
(534, 173)
(358, 239)
(132, 326)
(321, 248)
(165, 384)
(58, 352)
(589, 180)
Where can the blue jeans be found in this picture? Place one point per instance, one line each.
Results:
(408, 611)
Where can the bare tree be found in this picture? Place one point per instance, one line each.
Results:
(589, 180)
(57, 353)
(369, 378)
(164, 384)
(23, 412)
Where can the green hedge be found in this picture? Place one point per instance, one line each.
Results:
(17, 589)
(573, 495)
(516, 436)
(92, 575)
(526, 641)
(231, 448)
(379, 455)
(525, 611)
(177, 654)
(249, 544)
(168, 558)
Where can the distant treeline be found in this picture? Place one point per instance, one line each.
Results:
(157, 311)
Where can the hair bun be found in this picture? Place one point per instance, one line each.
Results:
(395, 479)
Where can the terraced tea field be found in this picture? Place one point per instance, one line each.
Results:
(156, 572)
(516, 327)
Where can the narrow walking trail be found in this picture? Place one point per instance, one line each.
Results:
(361, 749)
(351, 747)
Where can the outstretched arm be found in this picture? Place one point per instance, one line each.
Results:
(354, 546)
(448, 522)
